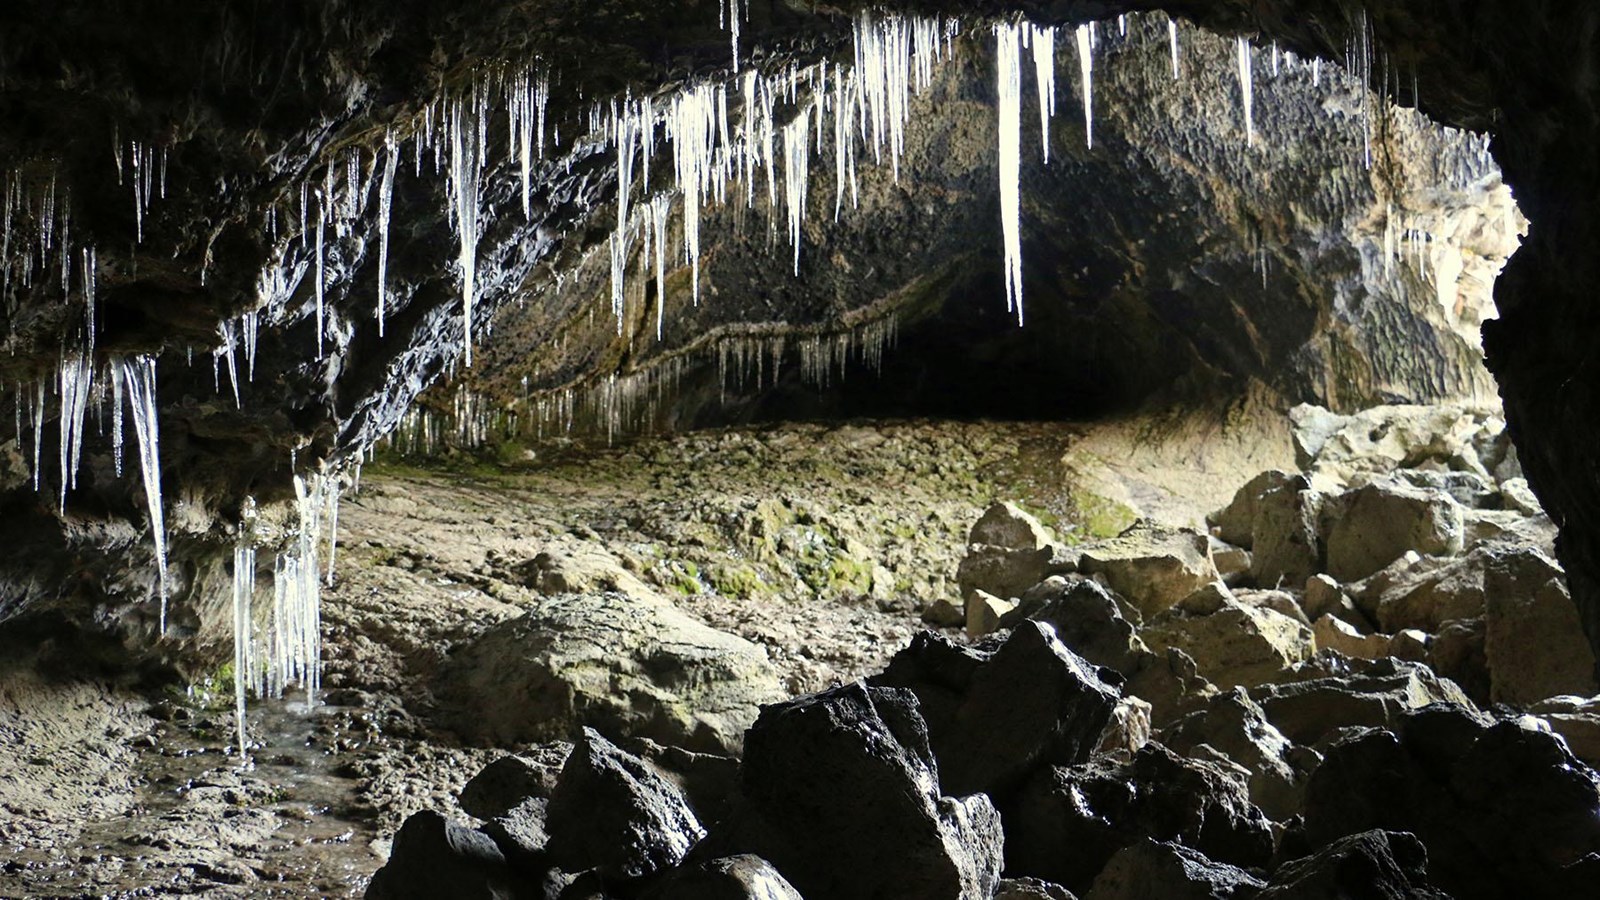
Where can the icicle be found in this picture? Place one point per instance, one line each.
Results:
(229, 341)
(322, 223)
(1044, 67)
(385, 209)
(796, 175)
(464, 116)
(38, 431)
(116, 420)
(1086, 80)
(1247, 86)
(626, 125)
(139, 376)
(660, 209)
(76, 377)
(1316, 72)
(88, 298)
(245, 665)
(1172, 35)
(1008, 59)
(249, 322)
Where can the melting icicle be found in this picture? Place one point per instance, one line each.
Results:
(246, 667)
(796, 175)
(1247, 86)
(385, 208)
(660, 209)
(1086, 79)
(464, 117)
(76, 379)
(1044, 68)
(139, 377)
(1172, 37)
(230, 340)
(1008, 55)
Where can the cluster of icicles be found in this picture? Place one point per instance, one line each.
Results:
(842, 111)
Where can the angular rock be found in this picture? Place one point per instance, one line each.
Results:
(1233, 563)
(1008, 573)
(1277, 601)
(1235, 726)
(1129, 730)
(612, 812)
(1577, 720)
(839, 790)
(432, 857)
(508, 781)
(1152, 567)
(1240, 645)
(1534, 643)
(1068, 822)
(1457, 652)
(1007, 525)
(1210, 598)
(1334, 633)
(1372, 526)
(521, 835)
(1508, 527)
(1235, 523)
(708, 781)
(1428, 595)
(944, 613)
(1305, 711)
(1369, 864)
(1031, 889)
(1382, 439)
(1086, 619)
(1324, 597)
(1287, 548)
(742, 877)
(984, 612)
(1467, 489)
(1158, 870)
(1411, 644)
(624, 665)
(1517, 495)
(993, 716)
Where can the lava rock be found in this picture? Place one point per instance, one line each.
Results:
(1374, 525)
(993, 716)
(1235, 523)
(1374, 864)
(432, 857)
(614, 813)
(1152, 567)
(508, 781)
(1306, 711)
(742, 877)
(839, 790)
(1031, 889)
(627, 665)
(1235, 726)
(521, 835)
(1068, 822)
(1086, 619)
(1533, 642)
(1159, 870)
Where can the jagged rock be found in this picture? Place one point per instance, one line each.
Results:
(611, 811)
(708, 781)
(1129, 728)
(1235, 523)
(1372, 526)
(944, 613)
(1507, 527)
(1504, 810)
(1287, 548)
(1007, 573)
(1068, 822)
(1277, 601)
(1468, 490)
(1007, 525)
(1369, 592)
(1031, 889)
(1379, 440)
(1428, 594)
(995, 715)
(571, 565)
(432, 857)
(1411, 644)
(1235, 726)
(1240, 645)
(1152, 567)
(742, 877)
(1577, 720)
(1457, 652)
(839, 790)
(1324, 597)
(625, 665)
(1207, 600)
(1369, 864)
(1533, 642)
(1517, 495)
(1305, 711)
(508, 781)
(1233, 563)
(1086, 619)
(984, 612)
(1159, 870)
(1172, 684)
(1334, 633)
(521, 835)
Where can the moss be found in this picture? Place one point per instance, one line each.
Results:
(1094, 517)
(737, 580)
(683, 577)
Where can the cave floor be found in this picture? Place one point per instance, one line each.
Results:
(821, 543)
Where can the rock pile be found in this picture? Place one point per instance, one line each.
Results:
(1366, 697)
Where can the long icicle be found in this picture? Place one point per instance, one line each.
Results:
(1008, 53)
(139, 377)
(1086, 79)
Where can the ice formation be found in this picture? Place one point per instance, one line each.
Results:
(1086, 78)
(1008, 61)
(138, 375)
(1247, 87)
(1044, 68)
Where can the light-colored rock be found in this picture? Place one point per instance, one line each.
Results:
(1129, 728)
(1009, 573)
(1334, 448)
(1370, 527)
(570, 565)
(1508, 527)
(1456, 652)
(1239, 645)
(1208, 599)
(1427, 596)
(944, 613)
(1278, 601)
(1235, 523)
(983, 613)
(1534, 642)
(1148, 870)
(1410, 644)
(1306, 711)
(1287, 548)
(1153, 568)
(1517, 495)
(1577, 720)
(628, 666)
(1233, 563)
(1334, 633)
(1324, 596)
(1010, 526)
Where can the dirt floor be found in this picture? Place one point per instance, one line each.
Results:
(821, 544)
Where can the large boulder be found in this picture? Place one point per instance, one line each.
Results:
(1086, 618)
(1158, 870)
(1007, 572)
(1370, 527)
(742, 877)
(432, 857)
(1008, 525)
(1534, 643)
(1237, 645)
(613, 813)
(1384, 864)
(1068, 822)
(508, 781)
(1236, 727)
(1235, 523)
(996, 713)
(1153, 568)
(1335, 449)
(1287, 545)
(623, 665)
(1306, 711)
(839, 790)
